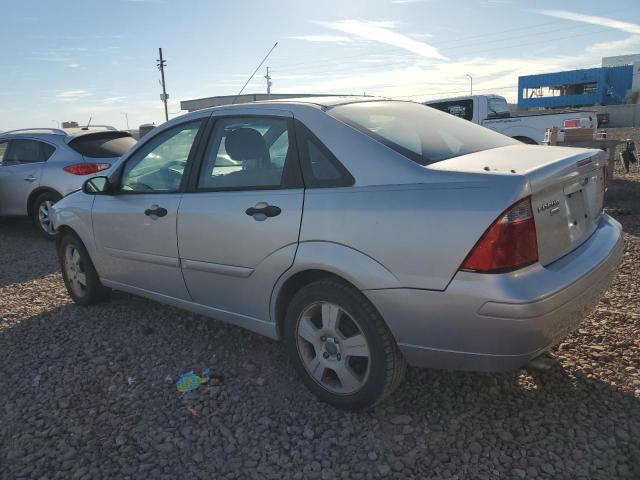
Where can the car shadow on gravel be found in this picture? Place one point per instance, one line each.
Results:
(623, 203)
(93, 390)
(24, 254)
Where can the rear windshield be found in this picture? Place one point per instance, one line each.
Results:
(103, 144)
(423, 134)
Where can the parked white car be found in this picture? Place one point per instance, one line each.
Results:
(492, 111)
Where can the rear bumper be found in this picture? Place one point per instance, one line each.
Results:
(495, 322)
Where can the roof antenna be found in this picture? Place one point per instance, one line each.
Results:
(254, 72)
(88, 123)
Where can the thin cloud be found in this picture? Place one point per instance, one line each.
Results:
(495, 3)
(110, 100)
(405, 2)
(323, 38)
(71, 95)
(593, 20)
(615, 48)
(381, 32)
(73, 65)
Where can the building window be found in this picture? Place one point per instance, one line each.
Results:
(560, 90)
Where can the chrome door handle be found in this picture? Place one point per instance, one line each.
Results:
(30, 179)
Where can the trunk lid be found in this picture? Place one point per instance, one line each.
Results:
(566, 187)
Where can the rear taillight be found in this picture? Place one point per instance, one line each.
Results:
(510, 243)
(86, 168)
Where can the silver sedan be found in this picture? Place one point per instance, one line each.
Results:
(366, 234)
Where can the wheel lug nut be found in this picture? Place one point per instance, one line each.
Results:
(325, 354)
(323, 338)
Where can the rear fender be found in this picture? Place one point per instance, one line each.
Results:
(360, 270)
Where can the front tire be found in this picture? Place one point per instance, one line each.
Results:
(341, 346)
(41, 214)
(79, 274)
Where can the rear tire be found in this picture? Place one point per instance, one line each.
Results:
(341, 346)
(40, 214)
(79, 274)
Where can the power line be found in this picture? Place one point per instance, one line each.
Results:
(410, 61)
(451, 92)
(338, 60)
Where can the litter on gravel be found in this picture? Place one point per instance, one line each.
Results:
(189, 381)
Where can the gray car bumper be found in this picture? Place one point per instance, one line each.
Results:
(495, 322)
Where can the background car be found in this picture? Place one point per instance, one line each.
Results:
(364, 233)
(40, 166)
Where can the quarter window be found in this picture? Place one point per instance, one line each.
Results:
(28, 151)
(248, 153)
(320, 167)
(159, 165)
(459, 108)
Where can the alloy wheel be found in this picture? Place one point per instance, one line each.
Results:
(333, 348)
(44, 218)
(74, 270)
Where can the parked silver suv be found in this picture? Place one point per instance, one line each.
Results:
(40, 166)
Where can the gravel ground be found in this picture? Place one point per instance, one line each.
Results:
(90, 393)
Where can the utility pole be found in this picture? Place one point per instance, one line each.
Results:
(470, 78)
(269, 84)
(164, 97)
(126, 118)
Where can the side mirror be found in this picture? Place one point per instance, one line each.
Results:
(96, 186)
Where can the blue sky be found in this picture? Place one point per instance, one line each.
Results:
(68, 59)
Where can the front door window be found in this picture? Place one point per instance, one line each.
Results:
(159, 165)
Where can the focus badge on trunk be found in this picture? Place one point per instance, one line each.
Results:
(547, 205)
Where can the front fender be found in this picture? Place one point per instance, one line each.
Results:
(74, 212)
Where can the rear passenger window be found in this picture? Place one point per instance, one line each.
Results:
(28, 151)
(249, 153)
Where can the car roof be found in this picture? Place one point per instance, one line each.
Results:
(326, 102)
(311, 102)
(67, 133)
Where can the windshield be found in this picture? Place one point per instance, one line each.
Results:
(418, 132)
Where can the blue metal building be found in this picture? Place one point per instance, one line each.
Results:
(575, 88)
